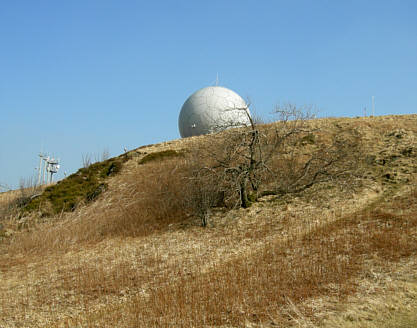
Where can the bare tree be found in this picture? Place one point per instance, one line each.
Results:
(235, 159)
(105, 155)
(304, 160)
(86, 160)
(202, 193)
(250, 161)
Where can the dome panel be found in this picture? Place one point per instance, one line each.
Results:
(212, 109)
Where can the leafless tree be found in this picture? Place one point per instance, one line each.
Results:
(303, 159)
(249, 161)
(105, 155)
(232, 158)
(202, 193)
(86, 160)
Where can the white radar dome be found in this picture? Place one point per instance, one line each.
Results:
(212, 109)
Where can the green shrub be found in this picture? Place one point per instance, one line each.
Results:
(308, 139)
(84, 185)
(160, 155)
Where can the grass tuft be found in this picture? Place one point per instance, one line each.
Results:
(160, 155)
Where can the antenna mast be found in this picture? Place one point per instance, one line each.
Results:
(53, 167)
(40, 168)
(48, 166)
(373, 105)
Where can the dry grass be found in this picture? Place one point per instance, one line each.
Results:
(251, 288)
(143, 282)
(148, 201)
(135, 258)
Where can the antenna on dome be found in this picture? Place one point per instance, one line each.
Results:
(217, 79)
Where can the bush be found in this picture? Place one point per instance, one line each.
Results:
(83, 186)
(160, 155)
(246, 162)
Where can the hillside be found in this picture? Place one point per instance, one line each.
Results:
(125, 252)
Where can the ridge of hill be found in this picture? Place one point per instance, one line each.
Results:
(333, 255)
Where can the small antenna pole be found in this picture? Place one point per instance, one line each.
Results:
(217, 79)
(53, 167)
(40, 168)
(373, 105)
(46, 159)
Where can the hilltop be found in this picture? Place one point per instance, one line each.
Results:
(115, 244)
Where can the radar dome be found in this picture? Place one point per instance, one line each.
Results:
(212, 109)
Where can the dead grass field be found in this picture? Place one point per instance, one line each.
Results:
(327, 257)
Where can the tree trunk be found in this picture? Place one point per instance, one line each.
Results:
(244, 194)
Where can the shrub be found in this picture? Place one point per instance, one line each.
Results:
(160, 155)
(83, 186)
(253, 159)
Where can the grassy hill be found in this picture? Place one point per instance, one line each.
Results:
(115, 246)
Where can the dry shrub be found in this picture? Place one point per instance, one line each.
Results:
(299, 164)
(12, 201)
(288, 156)
(203, 192)
(153, 199)
(6, 199)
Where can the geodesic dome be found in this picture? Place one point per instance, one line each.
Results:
(212, 109)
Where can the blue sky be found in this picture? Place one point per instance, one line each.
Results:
(81, 76)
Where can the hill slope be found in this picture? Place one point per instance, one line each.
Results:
(329, 256)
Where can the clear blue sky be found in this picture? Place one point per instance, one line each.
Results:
(81, 76)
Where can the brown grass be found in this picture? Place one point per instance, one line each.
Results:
(150, 201)
(251, 288)
(136, 258)
(230, 291)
